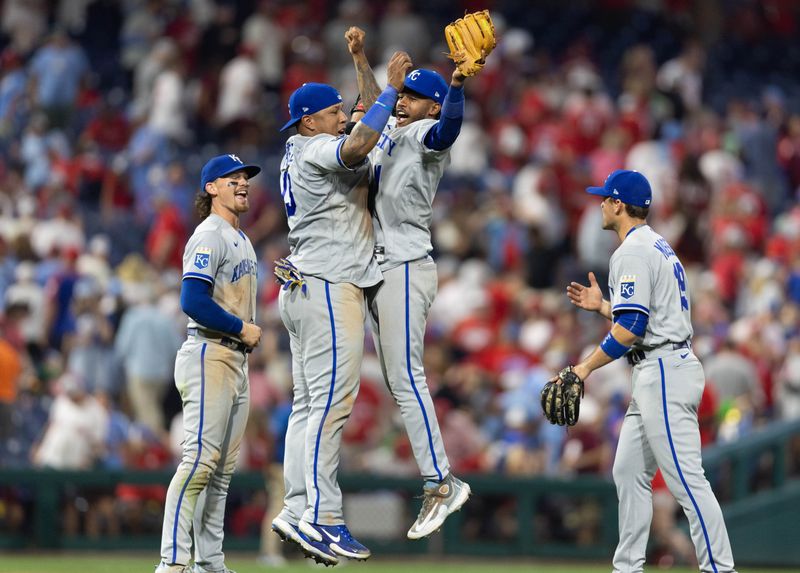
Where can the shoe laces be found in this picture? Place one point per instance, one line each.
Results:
(345, 533)
(433, 489)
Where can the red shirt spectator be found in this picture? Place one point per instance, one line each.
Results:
(166, 238)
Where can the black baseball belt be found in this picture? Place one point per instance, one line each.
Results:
(636, 355)
(225, 341)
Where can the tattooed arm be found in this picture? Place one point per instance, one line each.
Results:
(367, 84)
(368, 130)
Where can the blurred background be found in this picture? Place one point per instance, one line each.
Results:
(108, 109)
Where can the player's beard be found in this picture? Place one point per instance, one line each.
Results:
(241, 203)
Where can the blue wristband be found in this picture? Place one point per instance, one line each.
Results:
(379, 113)
(612, 347)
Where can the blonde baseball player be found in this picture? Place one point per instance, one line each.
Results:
(218, 293)
(650, 310)
(324, 177)
(408, 163)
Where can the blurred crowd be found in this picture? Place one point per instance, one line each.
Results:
(109, 108)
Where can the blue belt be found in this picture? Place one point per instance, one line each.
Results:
(225, 341)
(636, 355)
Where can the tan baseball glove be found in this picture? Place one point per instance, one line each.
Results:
(470, 40)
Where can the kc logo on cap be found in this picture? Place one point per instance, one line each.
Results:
(427, 83)
(223, 165)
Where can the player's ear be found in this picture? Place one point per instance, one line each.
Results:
(434, 109)
(308, 122)
(211, 188)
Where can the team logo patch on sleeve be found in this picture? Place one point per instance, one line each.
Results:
(202, 256)
(627, 285)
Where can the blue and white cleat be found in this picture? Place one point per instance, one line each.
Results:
(338, 538)
(311, 548)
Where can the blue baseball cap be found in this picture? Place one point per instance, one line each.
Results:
(427, 83)
(630, 187)
(223, 165)
(310, 98)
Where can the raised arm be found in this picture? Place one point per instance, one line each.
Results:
(444, 133)
(367, 84)
(368, 130)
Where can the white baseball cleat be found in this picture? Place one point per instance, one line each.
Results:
(441, 499)
(197, 569)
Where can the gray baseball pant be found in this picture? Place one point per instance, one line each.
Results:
(660, 430)
(213, 384)
(326, 336)
(398, 310)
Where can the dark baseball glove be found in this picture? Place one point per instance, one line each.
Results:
(561, 398)
(470, 40)
(289, 276)
(358, 106)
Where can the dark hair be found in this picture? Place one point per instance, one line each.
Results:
(202, 203)
(636, 212)
(422, 96)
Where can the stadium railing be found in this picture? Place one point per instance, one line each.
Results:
(756, 478)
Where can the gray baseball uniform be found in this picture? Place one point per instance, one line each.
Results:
(211, 377)
(660, 428)
(407, 174)
(331, 240)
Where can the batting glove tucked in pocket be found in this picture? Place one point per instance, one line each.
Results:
(289, 276)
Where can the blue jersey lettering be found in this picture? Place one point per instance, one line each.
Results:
(382, 143)
(246, 267)
(664, 248)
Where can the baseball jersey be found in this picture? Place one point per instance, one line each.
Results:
(330, 229)
(224, 257)
(407, 174)
(646, 275)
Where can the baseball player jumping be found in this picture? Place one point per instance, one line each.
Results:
(407, 165)
(650, 311)
(218, 293)
(324, 182)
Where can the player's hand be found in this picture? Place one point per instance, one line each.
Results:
(251, 334)
(586, 297)
(399, 65)
(457, 79)
(355, 39)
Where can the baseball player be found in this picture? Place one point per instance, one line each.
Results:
(407, 165)
(650, 311)
(218, 293)
(324, 177)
